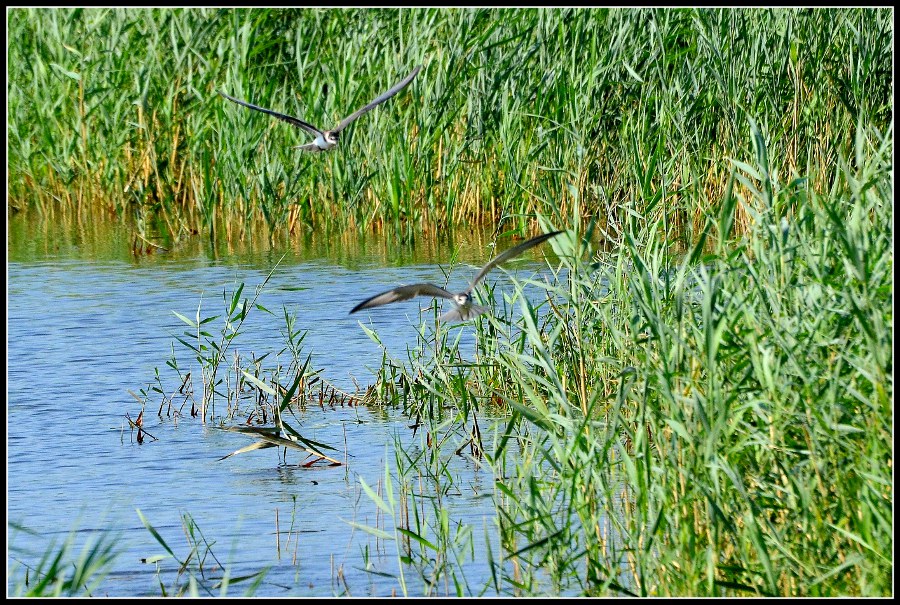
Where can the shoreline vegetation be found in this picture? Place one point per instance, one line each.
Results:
(703, 408)
(516, 112)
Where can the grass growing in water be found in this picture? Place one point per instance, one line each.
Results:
(60, 572)
(696, 424)
(715, 422)
(700, 424)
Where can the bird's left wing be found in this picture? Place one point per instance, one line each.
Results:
(378, 100)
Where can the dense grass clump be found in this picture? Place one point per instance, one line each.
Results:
(516, 112)
(693, 424)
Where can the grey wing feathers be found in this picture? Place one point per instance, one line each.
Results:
(508, 254)
(378, 100)
(463, 314)
(289, 119)
(402, 293)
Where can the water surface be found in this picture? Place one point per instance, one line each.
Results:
(89, 320)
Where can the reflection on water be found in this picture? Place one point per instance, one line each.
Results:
(88, 320)
(98, 239)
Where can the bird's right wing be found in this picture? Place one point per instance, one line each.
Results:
(508, 254)
(402, 293)
(289, 119)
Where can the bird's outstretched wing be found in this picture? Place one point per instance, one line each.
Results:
(508, 254)
(289, 119)
(402, 293)
(378, 100)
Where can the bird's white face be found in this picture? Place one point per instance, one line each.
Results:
(463, 300)
(327, 141)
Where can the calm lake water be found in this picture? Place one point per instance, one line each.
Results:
(88, 321)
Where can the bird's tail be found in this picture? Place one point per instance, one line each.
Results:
(463, 314)
(308, 147)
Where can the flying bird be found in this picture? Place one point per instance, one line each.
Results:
(327, 139)
(464, 308)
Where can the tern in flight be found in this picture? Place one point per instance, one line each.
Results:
(464, 309)
(327, 139)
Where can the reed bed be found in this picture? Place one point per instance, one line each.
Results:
(699, 406)
(702, 423)
(516, 112)
(656, 421)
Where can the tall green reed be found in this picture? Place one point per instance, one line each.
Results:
(710, 421)
(118, 108)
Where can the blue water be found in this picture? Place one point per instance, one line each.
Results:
(82, 332)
